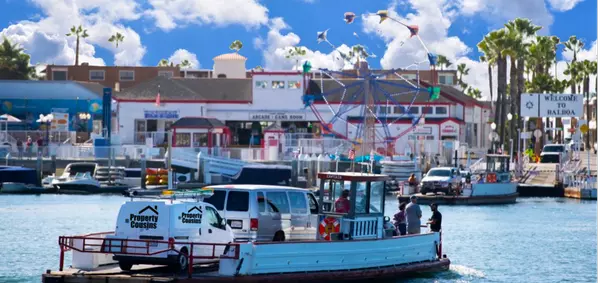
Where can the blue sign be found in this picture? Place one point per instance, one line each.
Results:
(161, 114)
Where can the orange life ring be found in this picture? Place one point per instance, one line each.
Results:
(491, 178)
(327, 226)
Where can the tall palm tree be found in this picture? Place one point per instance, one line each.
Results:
(78, 32)
(236, 46)
(296, 52)
(185, 64)
(574, 45)
(14, 63)
(443, 62)
(462, 71)
(490, 58)
(589, 68)
(116, 38)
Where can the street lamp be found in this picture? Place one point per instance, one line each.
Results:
(84, 116)
(509, 116)
(493, 126)
(47, 121)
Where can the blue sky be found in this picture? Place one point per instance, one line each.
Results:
(199, 30)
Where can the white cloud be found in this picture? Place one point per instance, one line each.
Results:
(46, 42)
(168, 14)
(433, 19)
(501, 11)
(585, 54)
(563, 5)
(277, 46)
(478, 76)
(181, 54)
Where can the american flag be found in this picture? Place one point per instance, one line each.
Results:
(351, 154)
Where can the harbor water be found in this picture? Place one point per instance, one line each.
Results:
(535, 240)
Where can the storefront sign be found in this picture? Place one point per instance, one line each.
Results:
(420, 130)
(551, 105)
(60, 122)
(449, 129)
(161, 114)
(277, 117)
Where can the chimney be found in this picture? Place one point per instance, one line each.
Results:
(117, 87)
(85, 64)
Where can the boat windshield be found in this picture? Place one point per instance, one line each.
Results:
(438, 173)
(74, 169)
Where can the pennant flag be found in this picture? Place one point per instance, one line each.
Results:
(158, 97)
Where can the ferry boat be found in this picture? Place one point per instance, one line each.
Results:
(494, 185)
(358, 245)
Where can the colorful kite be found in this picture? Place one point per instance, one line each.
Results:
(349, 17)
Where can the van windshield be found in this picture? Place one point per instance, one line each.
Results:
(217, 199)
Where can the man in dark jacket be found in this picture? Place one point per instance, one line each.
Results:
(435, 222)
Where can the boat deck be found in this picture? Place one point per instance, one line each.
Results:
(153, 273)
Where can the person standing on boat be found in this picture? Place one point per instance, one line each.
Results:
(435, 222)
(413, 216)
(342, 204)
(400, 220)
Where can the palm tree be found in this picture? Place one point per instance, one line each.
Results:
(589, 68)
(474, 92)
(236, 46)
(443, 62)
(296, 52)
(462, 71)
(116, 38)
(14, 63)
(185, 64)
(359, 52)
(490, 58)
(78, 32)
(163, 63)
(575, 45)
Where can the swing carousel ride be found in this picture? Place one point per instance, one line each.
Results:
(369, 94)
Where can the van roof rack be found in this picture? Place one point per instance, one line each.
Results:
(197, 194)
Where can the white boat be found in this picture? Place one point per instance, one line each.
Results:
(358, 244)
(80, 182)
(90, 178)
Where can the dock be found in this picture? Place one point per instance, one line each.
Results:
(150, 273)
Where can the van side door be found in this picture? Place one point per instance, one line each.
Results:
(300, 216)
(313, 206)
(267, 226)
(216, 229)
(279, 209)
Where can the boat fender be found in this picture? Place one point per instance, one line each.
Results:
(327, 226)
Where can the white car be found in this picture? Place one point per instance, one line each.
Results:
(441, 179)
(554, 153)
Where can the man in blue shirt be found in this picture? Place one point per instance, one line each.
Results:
(413, 216)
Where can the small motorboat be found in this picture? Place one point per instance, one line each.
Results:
(80, 182)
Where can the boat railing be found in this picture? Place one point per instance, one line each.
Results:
(99, 243)
(363, 228)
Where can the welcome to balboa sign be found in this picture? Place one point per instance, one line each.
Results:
(551, 105)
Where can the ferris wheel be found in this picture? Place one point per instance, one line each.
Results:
(355, 106)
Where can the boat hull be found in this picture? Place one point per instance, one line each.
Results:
(89, 189)
(463, 200)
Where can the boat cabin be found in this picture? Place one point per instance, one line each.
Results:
(361, 216)
(497, 168)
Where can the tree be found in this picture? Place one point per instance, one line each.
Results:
(78, 32)
(236, 46)
(490, 58)
(185, 64)
(443, 62)
(296, 53)
(462, 71)
(474, 92)
(589, 68)
(14, 63)
(358, 51)
(163, 63)
(116, 38)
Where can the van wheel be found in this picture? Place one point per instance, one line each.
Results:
(279, 237)
(125, 266)
(182, 261)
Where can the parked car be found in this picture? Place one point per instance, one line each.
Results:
(554, 153)
(441, 179)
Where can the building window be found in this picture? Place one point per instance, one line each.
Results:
(140, 131)
(59, 75)
(427, 110)
(261, 84)
(166, 74)
(278, 84)
(96, 75)
(126, 75)
(222, 76)
(441, 110)
(183, 140)
(413, 110)
(446, 79)
(293, 84)
(200, 139)
(399, 109)
(383, 110)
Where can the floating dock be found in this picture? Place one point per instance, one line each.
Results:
(461, 200)
(148, 273)
(581, 193)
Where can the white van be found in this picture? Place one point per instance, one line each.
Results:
(166, 220)
(267, 213)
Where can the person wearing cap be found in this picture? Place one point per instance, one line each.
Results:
(342, 204)
(435, 222)
(413, 216)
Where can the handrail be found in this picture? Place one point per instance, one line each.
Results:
(66, 243)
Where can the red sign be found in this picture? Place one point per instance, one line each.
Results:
(449, 128)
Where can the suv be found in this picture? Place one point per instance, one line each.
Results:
(441, 179)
